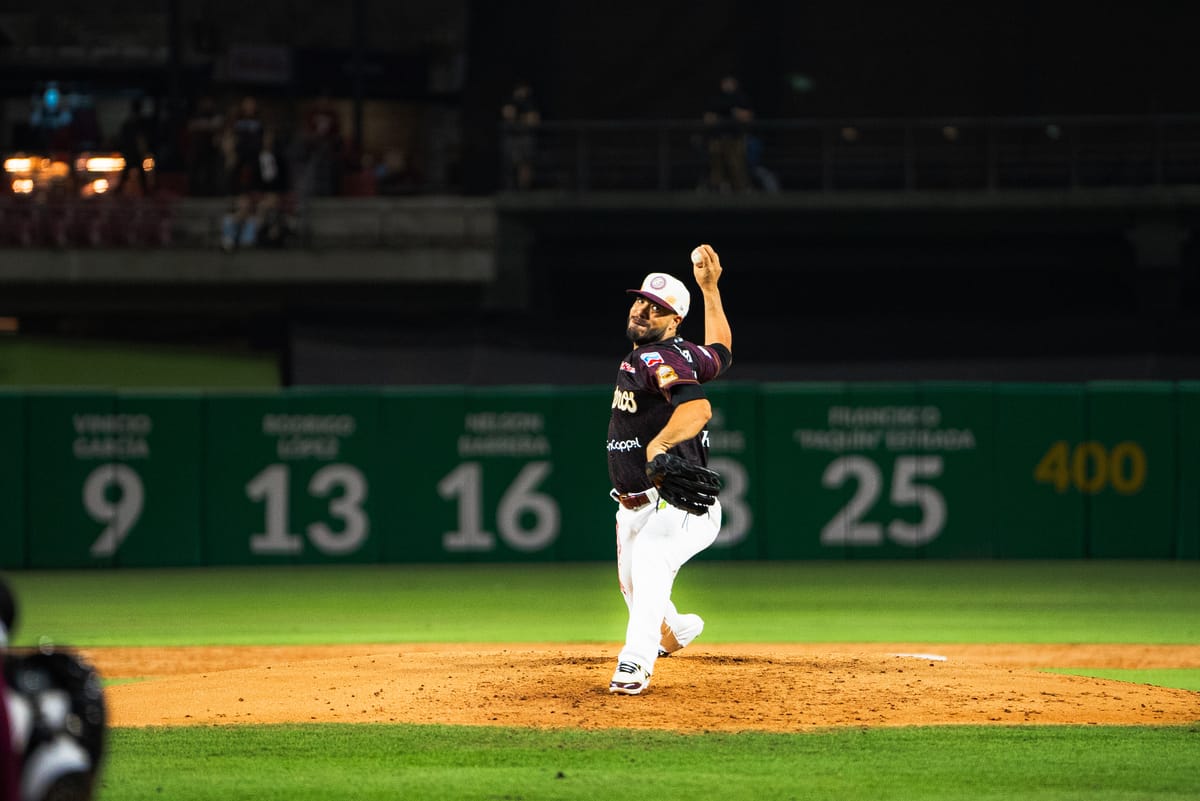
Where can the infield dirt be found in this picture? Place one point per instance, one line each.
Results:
(762, 687)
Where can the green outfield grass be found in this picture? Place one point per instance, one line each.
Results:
(33, 362)
(1181, 678)
(937, 602)
(432, 763)
(952, 602)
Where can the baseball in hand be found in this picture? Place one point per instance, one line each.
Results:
(697, 256)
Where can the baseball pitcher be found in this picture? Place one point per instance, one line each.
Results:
(667, 509)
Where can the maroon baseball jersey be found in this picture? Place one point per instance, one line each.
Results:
(651, 382)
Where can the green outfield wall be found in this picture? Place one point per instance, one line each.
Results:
(514, 474)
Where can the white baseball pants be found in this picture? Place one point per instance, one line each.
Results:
(652, 544)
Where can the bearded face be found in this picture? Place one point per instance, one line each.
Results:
(648, 322)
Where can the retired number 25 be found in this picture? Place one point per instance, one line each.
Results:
(848, 527)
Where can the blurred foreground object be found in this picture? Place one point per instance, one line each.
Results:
(54, 717)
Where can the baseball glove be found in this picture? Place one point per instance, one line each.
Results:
(682, 484)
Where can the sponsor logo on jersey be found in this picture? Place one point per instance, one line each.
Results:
(666, 376)
(624, 400)
(627, 367)
(624, 445)
(652, 359)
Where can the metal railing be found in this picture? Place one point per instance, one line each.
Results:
(460, 223)
(827, 155)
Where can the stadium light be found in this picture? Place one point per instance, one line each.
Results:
(18, 164)
(105, 164)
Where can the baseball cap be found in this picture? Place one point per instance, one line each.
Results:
(665, 290)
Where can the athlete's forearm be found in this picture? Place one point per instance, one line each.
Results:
(686, 421)
(716, 326)
(707, 269)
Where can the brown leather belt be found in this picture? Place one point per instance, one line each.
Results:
(634, 500)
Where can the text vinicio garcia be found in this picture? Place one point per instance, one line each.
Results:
(111, 436)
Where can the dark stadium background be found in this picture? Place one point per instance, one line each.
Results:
(1047, 274)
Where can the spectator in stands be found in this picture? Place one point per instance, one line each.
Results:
(136, 144)
(241, 146)
(394, 175)
(247, 144)
(274, 183)
(273, 225)
(520, 118)
(50, 120)
(323, 147)
(85, 123)
(205, 163)
(239, 226)
(227, 146)
(728, 116)
(261, 222)
(760, 173)
(272, 172)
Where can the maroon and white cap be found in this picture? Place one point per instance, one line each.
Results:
(665, 290)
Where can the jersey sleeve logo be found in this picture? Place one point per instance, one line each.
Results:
(627, 367)
(652, 359)
(666, 376)
(684, 352)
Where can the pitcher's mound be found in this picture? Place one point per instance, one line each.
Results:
(766, 687)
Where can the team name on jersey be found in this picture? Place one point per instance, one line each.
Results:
(624, 400)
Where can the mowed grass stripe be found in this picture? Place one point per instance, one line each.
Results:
(1178, 678)
(366, 762)
(952, 602)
